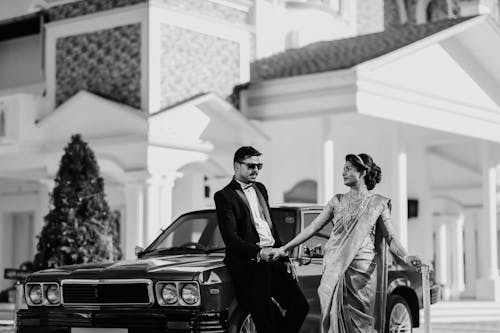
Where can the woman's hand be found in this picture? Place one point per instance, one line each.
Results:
(414, 261)
(278, 253)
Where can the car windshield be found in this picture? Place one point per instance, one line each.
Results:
(198, 232)
(194, 232)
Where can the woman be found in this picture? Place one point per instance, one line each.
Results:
(348, 286)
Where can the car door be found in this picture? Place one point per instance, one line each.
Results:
(309, 263)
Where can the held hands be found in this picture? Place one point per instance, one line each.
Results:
(272, 254)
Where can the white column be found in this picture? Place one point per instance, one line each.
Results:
(442, 257)
(457, 256)
(470, 253)
(166, 201)
(326, 186)
(423, 228)
(152, 210)
(399, 187)
(148, 209)
(328, 171)
(488, 287)
(134, 218)
(158, 202)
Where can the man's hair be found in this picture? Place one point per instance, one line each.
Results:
(245, 152)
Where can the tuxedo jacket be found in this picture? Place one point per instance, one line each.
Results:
(237, 226)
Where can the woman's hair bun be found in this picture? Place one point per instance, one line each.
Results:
(373, 174)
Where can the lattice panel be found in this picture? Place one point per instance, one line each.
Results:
(106, 63)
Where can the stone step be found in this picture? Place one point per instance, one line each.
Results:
(466, 311)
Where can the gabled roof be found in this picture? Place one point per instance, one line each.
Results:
(216, 118)
(345, 53)
(92, 116)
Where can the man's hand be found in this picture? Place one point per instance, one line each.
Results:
(268, 254)
(414, 261)
(279, 252)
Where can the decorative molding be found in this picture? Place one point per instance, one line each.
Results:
(427, 100)
(435, 113)
(71, 9)
(216, 10)
(243, 5)
(304, 96)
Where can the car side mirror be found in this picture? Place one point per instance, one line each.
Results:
(307, 250)
(306, 259)
(317, 251)
(138, 250)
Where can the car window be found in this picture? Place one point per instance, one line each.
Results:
(318, 240)
(285, 222)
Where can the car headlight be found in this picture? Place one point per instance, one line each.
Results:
(169, 293)
(35, 294)
(53, 294)
(190, 293)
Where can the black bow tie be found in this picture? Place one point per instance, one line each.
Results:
(247, 186)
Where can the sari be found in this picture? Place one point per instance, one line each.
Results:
(353, 284)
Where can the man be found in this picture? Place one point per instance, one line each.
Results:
(251, 241)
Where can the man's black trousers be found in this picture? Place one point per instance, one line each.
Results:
(266, 280)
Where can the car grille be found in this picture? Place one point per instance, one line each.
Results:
(107, 292)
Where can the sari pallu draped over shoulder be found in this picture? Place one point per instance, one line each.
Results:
(344, 261)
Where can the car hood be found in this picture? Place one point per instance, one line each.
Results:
(175, 267)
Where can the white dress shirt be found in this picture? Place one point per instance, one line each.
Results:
(262, 226)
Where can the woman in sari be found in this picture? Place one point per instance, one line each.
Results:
(347, 290)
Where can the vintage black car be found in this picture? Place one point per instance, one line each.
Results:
(179, 284)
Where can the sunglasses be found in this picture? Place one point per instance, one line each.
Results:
(252, 165)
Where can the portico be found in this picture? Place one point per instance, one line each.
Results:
(426, 134)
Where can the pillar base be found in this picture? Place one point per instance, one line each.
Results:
(488, 289)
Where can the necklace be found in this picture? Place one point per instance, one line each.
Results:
(355, 205)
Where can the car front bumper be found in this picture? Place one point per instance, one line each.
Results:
(135, 321)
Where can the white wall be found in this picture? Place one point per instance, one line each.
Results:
(292, 155)
(278, 27)
(187, 194)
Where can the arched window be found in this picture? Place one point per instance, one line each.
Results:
(429, 10)
(305, 191)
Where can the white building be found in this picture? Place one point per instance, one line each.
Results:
(146, 81)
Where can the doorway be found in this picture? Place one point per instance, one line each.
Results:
(16, 235)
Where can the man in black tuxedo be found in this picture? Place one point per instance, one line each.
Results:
(251, 249)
